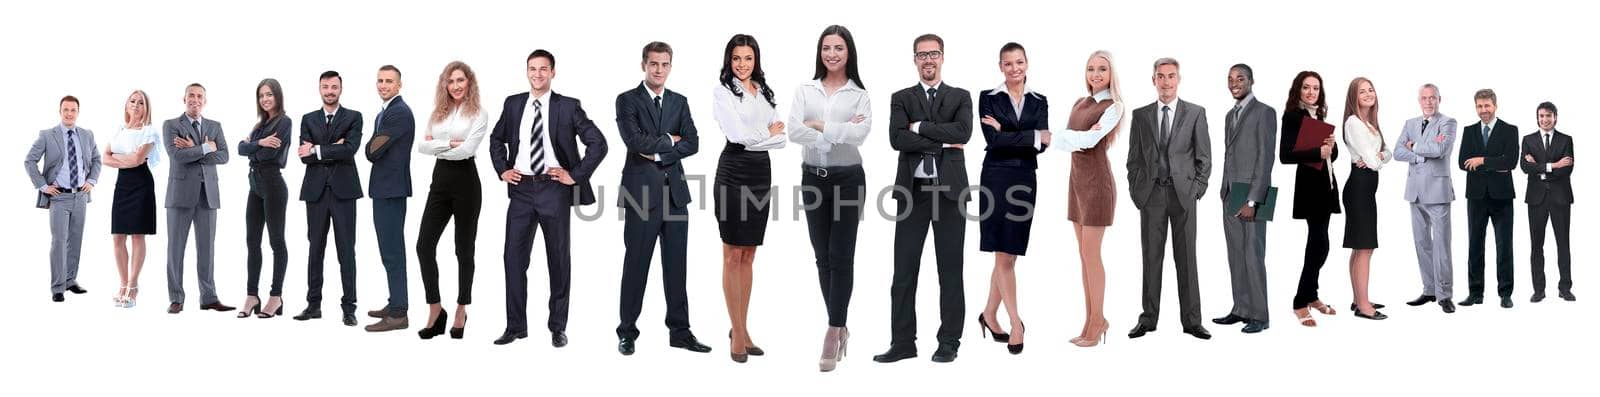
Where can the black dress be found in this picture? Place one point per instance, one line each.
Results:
(741, 191)
(133, 205)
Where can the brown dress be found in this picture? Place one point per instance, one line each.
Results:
(1091, 192)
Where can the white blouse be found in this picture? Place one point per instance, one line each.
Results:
(468, 129)
(744, 119)
(1073, 140)
(1364, 144)
(128, 141)
(838, 142)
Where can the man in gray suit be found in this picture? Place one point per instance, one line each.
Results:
(192, 199)
(1425, 143)
(71, 169)
(1169, 164)
(1251, 138)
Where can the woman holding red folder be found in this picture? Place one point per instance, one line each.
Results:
(1316, 193)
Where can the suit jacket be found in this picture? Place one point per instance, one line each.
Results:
(192, 169)
(1492, 180)
(1428, 181)
(1249, 144)
(567, 124)
(644, 130)
(1188, 153)
(1316, 192)
(389, 150)
(50, 146)
(336, 167)
(946, 120)
(1554, 186)
(1013, 145)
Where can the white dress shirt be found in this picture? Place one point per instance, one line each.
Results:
(470, 130)
(1073, 140)
(128, 141)
(1365, 144)
(838, 143)
(525, 128)
(744, 119)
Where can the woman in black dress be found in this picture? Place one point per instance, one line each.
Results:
(1316, 193)
(268, 198)
(1016, 127)
(133, 205)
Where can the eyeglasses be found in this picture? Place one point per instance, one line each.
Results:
(926, 55)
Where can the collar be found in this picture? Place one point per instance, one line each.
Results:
(1173, 104)
(196, 119)
(544, 100)
(1102, 95)
(1246, 101)
(1547, 133)
(653, 94)
(64, 128)
(1490, 124)
(386, 103)
(1002, 89)
(335, 112)
(926, 87)
(849, 85)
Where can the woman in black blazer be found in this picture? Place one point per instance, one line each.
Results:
(1016, 128)
(1316, 193)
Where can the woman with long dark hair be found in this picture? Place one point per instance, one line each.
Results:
(269, 196)
(1316, 192)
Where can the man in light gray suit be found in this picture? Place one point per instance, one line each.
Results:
(71, 169)
(1252, 134)
(192, 199)
(1169, 164)
(1425, 143)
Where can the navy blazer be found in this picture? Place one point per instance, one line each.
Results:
(336, 167)
(644, 130)
(389, 150)
(1013, 145)
(1492, 180)
(567, 124)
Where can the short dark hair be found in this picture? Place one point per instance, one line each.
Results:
(653, 47)
(928, 37)
(540, 53)
(74, 100)
(195, 85)
(1012, 46)
(1248, 72)
(1542, 106)
(330, 75)
(390, 68)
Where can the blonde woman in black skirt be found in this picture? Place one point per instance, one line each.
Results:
(133, 205)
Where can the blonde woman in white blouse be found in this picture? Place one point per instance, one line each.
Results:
(456, 127)
(1368, 154)
(133, 208)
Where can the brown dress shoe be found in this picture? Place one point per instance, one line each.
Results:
(389, 324)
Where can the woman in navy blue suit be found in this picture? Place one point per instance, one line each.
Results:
(1016, 128)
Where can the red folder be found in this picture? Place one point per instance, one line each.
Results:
(1312, 134)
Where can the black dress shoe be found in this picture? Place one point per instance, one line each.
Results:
(1140, 330)
(625, 346)
(309, 313)
(1537, 297)
(1567, 296)
(1422, 300)
(58, 297)
(1505, 302)
(174, 308)
(1253, 326)
(895, 353)
(689, 343)
(1375, 306)
(1229, 319)
(945, 354)
(349, 319)
(508, 337)
(1447, 307)
(1198, 332)
(558, 339)
(79, 290)
(217, 306)
(1472, 300)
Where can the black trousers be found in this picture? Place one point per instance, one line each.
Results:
(1480, 212)
(640, 230)
(455, 193)
(341, 215)
(1560, 215)
(949, 235)
(833, 198)
(264, 209)
(1316, 256)
(538, 204)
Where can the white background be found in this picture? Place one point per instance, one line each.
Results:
(1529, 51)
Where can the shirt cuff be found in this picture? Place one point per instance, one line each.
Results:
(1038, 143)
(317, 150)
(93, 182)
(1548, 168)
(914, 127)
(206, 149)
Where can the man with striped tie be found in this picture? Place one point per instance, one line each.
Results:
(71, 168)
(534, 150)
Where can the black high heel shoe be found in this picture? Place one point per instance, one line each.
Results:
(252, 310)
(457, 333)
(1017, 348)
(750, 350)
(984, 327)
(435, 329)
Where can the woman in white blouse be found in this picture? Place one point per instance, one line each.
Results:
(829, 119)
(1368, 154)
(456, 127)
(133, 208)
(1092, 128)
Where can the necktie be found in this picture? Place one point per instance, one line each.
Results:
(1233, 117)
(196, 126)
(658, 102)
(72, 158)
(1164, 171)
(931, 93)
(1547, 142)
(1486, 135)
(1424, 131)
(1166, 127)
(536, 156)
(329, 123)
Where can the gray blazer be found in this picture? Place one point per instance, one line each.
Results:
(192, 169)
(1189, 152)
(50, 146)
(1250, 142)
(1428, 181)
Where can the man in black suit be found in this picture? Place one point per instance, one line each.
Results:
(1488, 154)
(1547, 159)
(534, 147)
(655, 125)
(330, 138)
(929, 123)
(389, 150)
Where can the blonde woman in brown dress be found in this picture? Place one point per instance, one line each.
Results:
(1092, 193)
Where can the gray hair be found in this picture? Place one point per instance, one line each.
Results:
(1165, 61)
(1435, 89)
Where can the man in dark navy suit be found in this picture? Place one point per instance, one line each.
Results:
(330, 138)
(389, 150)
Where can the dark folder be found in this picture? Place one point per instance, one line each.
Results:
(1312, 133)
(1239, 193)
(43, 202)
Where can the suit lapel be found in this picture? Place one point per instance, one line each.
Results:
(650, 104)
(1010, 110)
(1180, 110)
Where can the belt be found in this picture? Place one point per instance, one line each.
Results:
(60, 190)
(1164, 182)
(537, 178)
(925, 181)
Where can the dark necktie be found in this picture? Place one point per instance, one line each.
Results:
(72, 158)
(328, 124)
(1547, 143)
(536, 156)
(658, 103)
(1233, 116)
(1424, 131)
(927, 159)
(1165, 170)
(932, 92)
(196, 126)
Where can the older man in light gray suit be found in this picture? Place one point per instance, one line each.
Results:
(1425, 143)
(193, 144)
(1252, 134)
(71, 169)
(1169, 166)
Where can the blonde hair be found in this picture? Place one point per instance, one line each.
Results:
(1114, 87)
(443, 103)
(144, 121)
